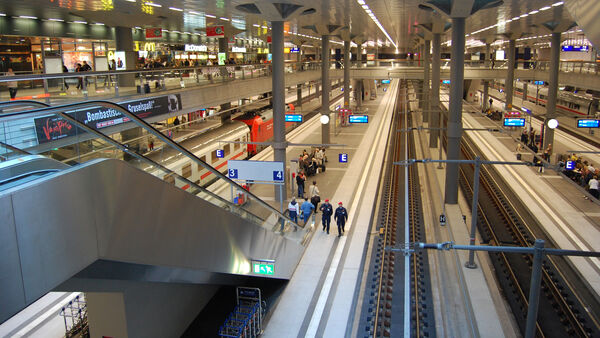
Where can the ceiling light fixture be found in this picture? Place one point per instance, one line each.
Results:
(152, 4)
(176, 9)
(58, 20)
(28, 17)
(376, 21)
(209, 16)
(81, 22)
(130, 0)
(2, 14)
(98, 24)
(224, 19)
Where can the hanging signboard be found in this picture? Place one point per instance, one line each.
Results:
(154, 33)
(215, 31)
(265, 171)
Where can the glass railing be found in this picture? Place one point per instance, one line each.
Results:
(73, 87)
(62, 133)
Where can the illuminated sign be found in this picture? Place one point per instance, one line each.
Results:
(343, 158)
(215, 31)
(293, 117)
(385, 81)
(286, 50)
(294, 50)
(195, 48)
(370, 57)
(358, 119)
(588, 123)
(238, 49)
(575, 48)
(222, 58)
(263, 268)
(446, 81)
(570, 165)
(514, 122)
(141, 45)
(539, 83)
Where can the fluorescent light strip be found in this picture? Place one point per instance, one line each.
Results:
(560, 3)
(2, 14)
(57, 20)
(152, 4)
(176, 9)
(98, 24)
(28, 17)
(209, 16)
(224, 19)
(81, 22)
(376, 21)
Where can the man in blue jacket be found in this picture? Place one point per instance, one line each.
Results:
(327, 211)
(307, 209)
(341, 216)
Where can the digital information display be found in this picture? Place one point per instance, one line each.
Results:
(588, 123)
(570, 165)
(385, 81)
(514, 122)
(575, 48)
(293, 117)
(539, 83)
(359, 118)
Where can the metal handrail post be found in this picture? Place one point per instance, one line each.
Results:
(534, 289)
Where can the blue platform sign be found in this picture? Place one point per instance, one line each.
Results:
(446, 81)
(588, 123)
(359, 118)
(293, 117)
(220, 153)
(278, 176)
(233, 173)
(514, 122)
(570, 165)
(343, 158)
(540, 83)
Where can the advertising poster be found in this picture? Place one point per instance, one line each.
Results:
(153, 33)
(215, 31)
(51, 128)
(222, 58)
(119, 58)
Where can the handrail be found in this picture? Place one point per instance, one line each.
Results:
(66, 107)
(22, 103)
(30, 173)
(30, 77)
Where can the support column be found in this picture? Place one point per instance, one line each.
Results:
(279, 145)
(223, 46)
(510, 75)
(325, 87)
(525, 90)
(124, 42)
(359, 84)
(426, 84)
(552, 90)
(299, 96)
(436, 120)
(454, 130)
(347, 74)
(486, 83)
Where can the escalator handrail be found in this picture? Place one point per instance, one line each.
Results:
(30, 173)
(5, 104)
(71, 106)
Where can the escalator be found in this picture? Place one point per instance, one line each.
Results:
(97, 208)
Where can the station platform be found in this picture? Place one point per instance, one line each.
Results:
(322, 291)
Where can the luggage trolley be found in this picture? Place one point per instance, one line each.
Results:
(246, 319)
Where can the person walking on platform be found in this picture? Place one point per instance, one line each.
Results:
(593, 184)
(307, 209)
(12, 85)
(341, 216)
(293, 209)
(313, 192)
(300, 182)
(326, 210)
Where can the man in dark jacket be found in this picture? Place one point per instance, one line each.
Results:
(341, 216)
(327, 210)
(300, 182)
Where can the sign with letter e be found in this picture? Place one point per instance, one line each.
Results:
(343, 158)
(220, 153)
(570, 165)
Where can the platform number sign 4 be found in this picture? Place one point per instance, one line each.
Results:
(220, 153)
(343, 158)
(278, 176)
(233, 173)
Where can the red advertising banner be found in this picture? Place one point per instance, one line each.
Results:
(153, 33)
(215, 31)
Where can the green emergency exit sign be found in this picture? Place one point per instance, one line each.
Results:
(263, 268)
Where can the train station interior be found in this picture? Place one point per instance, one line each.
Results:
(331, 168)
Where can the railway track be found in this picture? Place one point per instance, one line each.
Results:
(385, 308)
(567, 307)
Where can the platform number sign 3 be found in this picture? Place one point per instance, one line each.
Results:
(220, 153)
(278, 176)
(233, 173)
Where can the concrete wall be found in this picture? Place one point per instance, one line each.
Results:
(143, 309)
